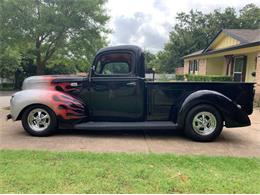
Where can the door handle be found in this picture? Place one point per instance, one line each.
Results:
(131, 84)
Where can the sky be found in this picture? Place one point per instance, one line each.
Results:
(147, 23)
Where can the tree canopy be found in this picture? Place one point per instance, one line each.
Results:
(194, 30)
(51, 32)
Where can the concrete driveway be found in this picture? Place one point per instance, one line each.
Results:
(232, 142)
(5, 98)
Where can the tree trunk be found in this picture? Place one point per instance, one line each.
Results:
(40, 64)
(40, 68)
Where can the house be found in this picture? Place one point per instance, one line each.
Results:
(233, 52)
(179, 70)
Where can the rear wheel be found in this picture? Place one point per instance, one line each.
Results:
(203, 123)
(39, 120)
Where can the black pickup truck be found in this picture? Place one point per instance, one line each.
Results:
(117, 96)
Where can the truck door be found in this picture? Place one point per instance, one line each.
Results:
(116, 92)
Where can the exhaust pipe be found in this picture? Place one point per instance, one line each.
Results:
(9, 116)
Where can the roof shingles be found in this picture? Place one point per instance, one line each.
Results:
(245, 36)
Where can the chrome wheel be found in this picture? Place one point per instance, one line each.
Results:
(204, 123)
(38, 119)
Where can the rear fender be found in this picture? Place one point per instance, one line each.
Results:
(231, 113)
(65, 106)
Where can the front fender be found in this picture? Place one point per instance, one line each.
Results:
(65, 106)
(232, 114)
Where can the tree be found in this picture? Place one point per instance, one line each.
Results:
(54, 30)
(149, 59)
(194, 31)
(250, 16)
(11, 60)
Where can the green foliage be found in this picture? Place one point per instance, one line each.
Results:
(194, 31)
(250, 16)
(60, 69)
(6, 86)
(150, 60)
(191, 77)
(54, 30)
(27, 68)
(111, 173)
(10, 60)
(179, 77)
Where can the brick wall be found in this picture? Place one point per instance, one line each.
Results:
(202, 67)
(186, 67)
(257, 79)
(179, 70)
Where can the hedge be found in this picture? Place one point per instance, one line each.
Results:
(180, 77)
(6, 86)
(208, 78)
(190, 77)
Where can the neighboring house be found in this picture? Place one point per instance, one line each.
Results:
(233, 52)
(179, 70)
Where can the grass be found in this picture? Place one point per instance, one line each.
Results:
(77, 172)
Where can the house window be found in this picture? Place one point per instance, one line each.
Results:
(193, 66)
(239, 70)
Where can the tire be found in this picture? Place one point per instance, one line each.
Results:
(46, 123)
(203, 123)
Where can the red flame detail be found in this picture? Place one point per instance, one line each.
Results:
(63, 104)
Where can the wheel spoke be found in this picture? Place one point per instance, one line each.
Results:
(198, 120)
(44, 117)
(203, 118)
(38, 124)
(39, 114)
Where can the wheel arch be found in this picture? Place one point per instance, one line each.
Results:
(19, 117)
(224, 105)
(206, 103)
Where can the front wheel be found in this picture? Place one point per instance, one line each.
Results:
(203, 123)
(39, 120)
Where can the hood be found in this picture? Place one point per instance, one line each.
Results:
(53, 82)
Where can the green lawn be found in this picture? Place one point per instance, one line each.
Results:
(76, 172)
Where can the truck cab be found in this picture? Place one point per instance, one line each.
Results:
(116, 96)
(117, 85)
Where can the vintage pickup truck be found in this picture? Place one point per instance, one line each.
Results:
(116, 96)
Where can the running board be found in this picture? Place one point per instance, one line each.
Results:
(147, 125)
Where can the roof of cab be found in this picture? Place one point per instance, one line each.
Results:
(133, 48)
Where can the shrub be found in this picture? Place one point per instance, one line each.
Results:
(6, 86)
(180, 77)
(208, 78)
(60, 69)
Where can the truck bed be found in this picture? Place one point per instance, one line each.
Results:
(164, 97)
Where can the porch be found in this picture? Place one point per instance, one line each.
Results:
(243, 66)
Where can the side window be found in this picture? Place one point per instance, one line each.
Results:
(193, 66)
(114, 64)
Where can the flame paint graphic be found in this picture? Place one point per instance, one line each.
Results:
(67, 107)
(60, 99)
